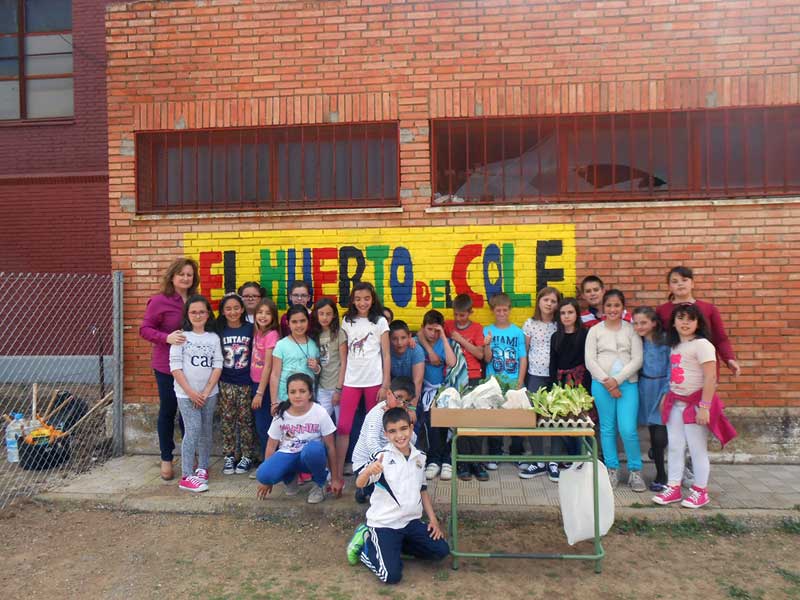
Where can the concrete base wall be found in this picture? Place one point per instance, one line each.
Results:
(766, 435)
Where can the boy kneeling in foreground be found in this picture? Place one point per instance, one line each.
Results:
(393, 518)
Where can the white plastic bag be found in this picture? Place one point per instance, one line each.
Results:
(486, 395)
(448, 398)
(577, 505)
(517, 399)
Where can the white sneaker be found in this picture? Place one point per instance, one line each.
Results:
(292, 488)
(613, 478)
(432, 470)
(316, 495)
(636, 482)
(491, 466)
(447, 472)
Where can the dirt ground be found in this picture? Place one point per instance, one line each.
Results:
(53, 552)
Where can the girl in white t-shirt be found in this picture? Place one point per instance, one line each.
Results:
(300, 440)
(538, 330)
(196, 366)
(367, 361)
(691, 408)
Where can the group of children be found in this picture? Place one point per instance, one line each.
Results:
(266, 373)
(289, 379)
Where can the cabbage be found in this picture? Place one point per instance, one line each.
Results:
(561, 401)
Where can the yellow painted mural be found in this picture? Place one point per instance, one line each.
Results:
(413, 269)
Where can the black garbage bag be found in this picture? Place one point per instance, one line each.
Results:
(67, 411)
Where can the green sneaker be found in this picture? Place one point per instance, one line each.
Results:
(356, 544)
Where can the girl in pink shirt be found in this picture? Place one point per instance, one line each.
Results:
(265, 337)
(691, 408)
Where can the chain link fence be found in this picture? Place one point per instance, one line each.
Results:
(60, 377)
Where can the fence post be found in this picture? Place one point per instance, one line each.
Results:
(118, 422)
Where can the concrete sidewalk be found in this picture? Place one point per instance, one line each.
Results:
(133, 483)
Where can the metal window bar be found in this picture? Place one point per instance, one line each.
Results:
(764, 129)
(485, 159)
(670, 187)
(196, 171)
(467, 168)
(594, 155)
(521, 151)
(450, 172)
(707, 170)
(539, 155)
(631, 153)
(685, 154)
(785, 150)
(366, 161)
(333, 153)
(726, 154)
(503, 159)
(350, 160)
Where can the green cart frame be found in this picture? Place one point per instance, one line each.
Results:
(590, 455)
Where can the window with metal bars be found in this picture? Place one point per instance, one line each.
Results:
(36, 59)
(268, 168)
(726, 152)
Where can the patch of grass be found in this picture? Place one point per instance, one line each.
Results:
(441, 575)
(734, 591)
(717, 524)
(552, 574)
(634, 526)
(790, 576)
(789, 525)
(645, 505)
(389, 593)
(686, 528)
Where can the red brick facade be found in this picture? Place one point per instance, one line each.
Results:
(246, 62)
(53, 174)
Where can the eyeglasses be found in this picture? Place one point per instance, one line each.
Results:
(251, 296)
(300, 296)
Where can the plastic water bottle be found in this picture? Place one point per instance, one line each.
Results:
(13, 430)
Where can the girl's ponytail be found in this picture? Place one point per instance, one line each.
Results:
(283, 407)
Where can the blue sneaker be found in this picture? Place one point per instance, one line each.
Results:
(533, 470)
(356, 543)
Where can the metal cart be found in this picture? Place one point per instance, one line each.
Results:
(589, 444)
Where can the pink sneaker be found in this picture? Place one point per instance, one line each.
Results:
(303, 478)
(670, 495)
(193, 484)
(201, 474)
(697, 497)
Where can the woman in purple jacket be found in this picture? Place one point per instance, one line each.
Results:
(162, 326)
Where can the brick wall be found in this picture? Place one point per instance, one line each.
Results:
(243, 63)
(55, 226)
(56, 216)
